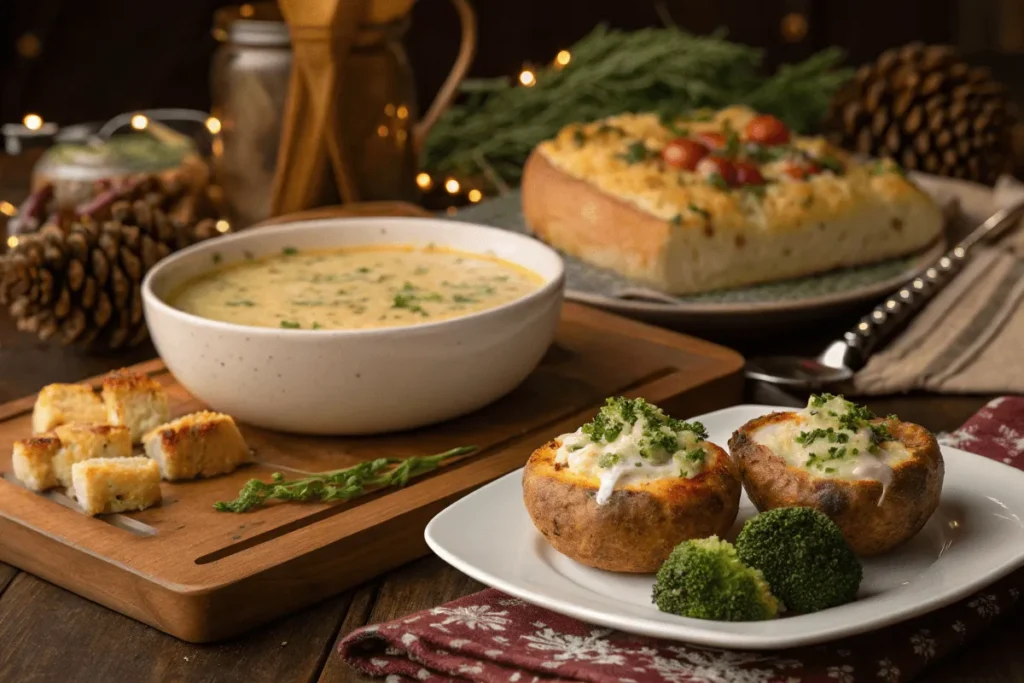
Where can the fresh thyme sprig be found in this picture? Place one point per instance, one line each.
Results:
(338, 485)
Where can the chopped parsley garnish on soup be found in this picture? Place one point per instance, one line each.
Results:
(355, 288)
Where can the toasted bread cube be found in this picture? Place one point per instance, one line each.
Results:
(104, 485)
(136, 401)
(202, 444)
(85, 442)
(59, 404)
(33, 462)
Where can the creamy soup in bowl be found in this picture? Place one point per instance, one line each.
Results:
(355, 288)
(356, 325)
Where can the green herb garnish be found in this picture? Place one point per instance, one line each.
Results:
(289, 251)
(608, 460)
(606, 128)
(636, 152)
(290, 325)
(732, 144)
(240, 302)
(338, 485)
(660, 439)
(831, 163)
(755, 191)
(702, 212)
(317, 326)
(716, 180)
(217, 257)
(677, 219)
(579, 137)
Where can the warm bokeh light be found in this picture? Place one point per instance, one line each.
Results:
(563, 58)
(793, 27)
(223, 225)
(452, 185)
(382, 130)
(403, 112)
(139, 122)
(527, 78)
(33, 121)
(246, 10)
(424, 181)
(475, 195)
(12, 241)
(8, 209)
(213, 125)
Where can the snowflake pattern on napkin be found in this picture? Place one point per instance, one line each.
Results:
(491, 637)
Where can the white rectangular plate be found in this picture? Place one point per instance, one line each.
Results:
(974, 538)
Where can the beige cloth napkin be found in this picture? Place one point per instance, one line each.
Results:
(970, 338)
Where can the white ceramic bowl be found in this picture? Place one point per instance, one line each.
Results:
(355, 381)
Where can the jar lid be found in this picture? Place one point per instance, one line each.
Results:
(258, 32)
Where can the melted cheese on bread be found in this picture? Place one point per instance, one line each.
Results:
(672, 229)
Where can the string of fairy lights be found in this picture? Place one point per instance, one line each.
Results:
(527, 78)
(33, 125)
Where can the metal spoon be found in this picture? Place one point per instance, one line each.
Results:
(845, 356)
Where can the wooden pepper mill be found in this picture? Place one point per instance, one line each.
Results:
(315, 143)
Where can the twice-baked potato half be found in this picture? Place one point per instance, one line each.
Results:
(878, 479)
(623, 490)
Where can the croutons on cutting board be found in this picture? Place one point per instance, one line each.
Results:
(107, 485)
(135, 401)
(202, 444)
(59, 404)
(32, 461)
(84, 442)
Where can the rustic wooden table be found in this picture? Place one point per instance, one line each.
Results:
(48, 634)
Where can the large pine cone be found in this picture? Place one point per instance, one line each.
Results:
(929, 110)
(81, 282)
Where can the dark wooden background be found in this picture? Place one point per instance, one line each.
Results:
(73, 61)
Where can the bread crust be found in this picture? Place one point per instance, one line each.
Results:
(869, 527)
(682, 237)
(640, 524)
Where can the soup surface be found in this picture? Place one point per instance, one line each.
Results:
(355, 288)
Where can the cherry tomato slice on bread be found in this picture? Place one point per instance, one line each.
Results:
(801, 172)
(747, 173)
(766, 130)
(711, 139)
(711, 166)
(683, 153)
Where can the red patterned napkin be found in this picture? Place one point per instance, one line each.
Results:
(492, 637)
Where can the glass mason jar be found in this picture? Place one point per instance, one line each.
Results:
(376, 107)
(249, 83)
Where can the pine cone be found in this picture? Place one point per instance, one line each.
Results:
(80, 282)
(929, 110)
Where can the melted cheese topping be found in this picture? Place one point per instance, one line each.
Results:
(620, 462)
(849, 454)
(355, 288)
(599, 154)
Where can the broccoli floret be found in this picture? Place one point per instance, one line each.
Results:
(804, 557)
(704, 579)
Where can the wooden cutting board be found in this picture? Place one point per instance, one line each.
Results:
(203, 575)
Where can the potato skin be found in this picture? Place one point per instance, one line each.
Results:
(869, 528)
(640, 524)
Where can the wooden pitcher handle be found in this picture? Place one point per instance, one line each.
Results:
(450, 87)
